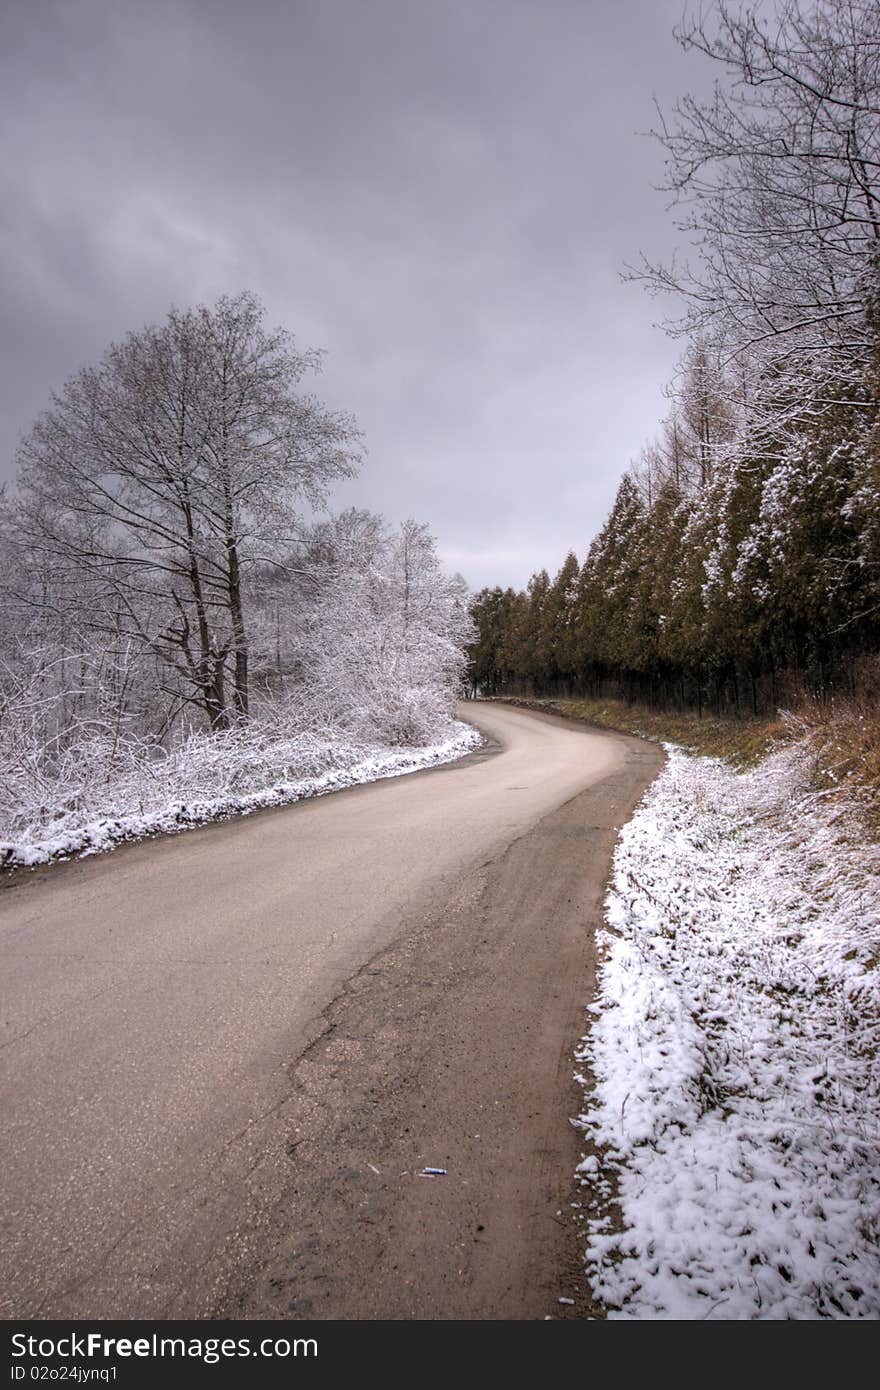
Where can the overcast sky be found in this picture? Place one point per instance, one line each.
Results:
(440, 194)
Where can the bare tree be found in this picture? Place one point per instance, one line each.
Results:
(161, 478)
(776, 180)
(698, 431)
(704, 416)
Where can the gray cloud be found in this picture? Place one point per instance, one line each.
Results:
(439, 194)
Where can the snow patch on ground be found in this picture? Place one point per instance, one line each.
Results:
(213, 778)
(732, 1112)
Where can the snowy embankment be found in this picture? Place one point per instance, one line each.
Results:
(209, 777)
(733, 1119)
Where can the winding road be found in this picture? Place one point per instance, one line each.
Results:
(227, 1055)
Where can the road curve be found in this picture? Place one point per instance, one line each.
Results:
(227, 1054)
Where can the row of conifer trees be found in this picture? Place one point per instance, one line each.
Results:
(733, 570)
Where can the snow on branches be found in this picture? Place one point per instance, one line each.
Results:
(172, 627)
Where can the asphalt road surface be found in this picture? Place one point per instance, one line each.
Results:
(227, 1055)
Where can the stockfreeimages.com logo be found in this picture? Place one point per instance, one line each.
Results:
(91, 1345)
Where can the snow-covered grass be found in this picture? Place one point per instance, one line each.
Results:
(101, 796)
(733, 1107)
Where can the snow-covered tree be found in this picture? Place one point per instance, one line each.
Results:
(383, 643)
(159, 480)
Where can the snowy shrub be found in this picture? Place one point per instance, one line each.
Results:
(403, 716)
(102, 793)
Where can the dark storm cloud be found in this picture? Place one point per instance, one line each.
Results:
(439, 194)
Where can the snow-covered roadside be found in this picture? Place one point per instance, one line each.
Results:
(213, 779)
(733, 1119)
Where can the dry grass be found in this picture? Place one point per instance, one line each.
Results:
(844, 737)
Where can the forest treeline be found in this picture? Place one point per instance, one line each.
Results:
(740, 562)
(735, 577)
